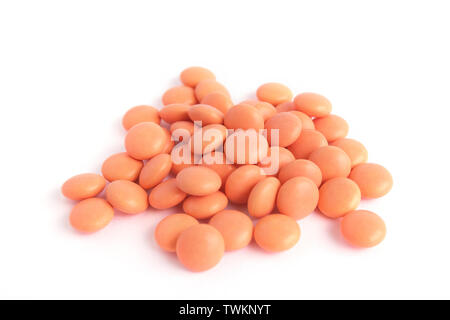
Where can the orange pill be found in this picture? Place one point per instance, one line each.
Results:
(155, 170)
(200, 247)
(175, 112)
(338, 197)
(297, 197)
(145, 140)
(262, 198)
(206, 114)
(186, 126)
(332, 161)
(354, 149)
(241, 182)
(363, 228)
(301, 168)
(121, 166)
(127, 196)
(246, 147)
(83, 186)
(140, 114)
(208, 86)
(198, 181)
(274, 93)
(266, 109)
(277, 158)
(307, 122)
(179, 94)
(288, 128)
(236, 228)
(313, 104)
(169, 143)
(218, 162)
(307, 142)
(208, 138)
(204, 207)
(91, 215)
(218, 100)
(183, 158)
(166, 195)
(332, 127)
(244, 116)
(286, 106)
(277, 232)
(193, 75)
(169, 229)
(373, 180)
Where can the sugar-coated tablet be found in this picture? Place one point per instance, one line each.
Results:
(373, 180)
(313, 104)
(208, 86)
(193, 75)
(121, 166)
(206, 114)
(145, 140)
(297, 197)
(218, 100)
(363, 228)
(332, 127)
(338, 196)
(332, 161)
(204, 207)
(169, 229)
(241, 182)
(289, 128)
(262, 198)
(236, 228)
(166, 195)
(301, 168)
(354, 149)
(179, 94)
(274, 93)
(175, 112)
(246, 147)
(140, 114)
(127, 196)
(155, 170)
(198, 181)
(277, 232)
(244, 116)
(91, 215)
(308, 141)
(83, 186)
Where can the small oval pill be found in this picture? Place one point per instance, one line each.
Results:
(236, 228)
(206, 114)
(274, 93)
(297, 197)
(313, 104)
(204, 207)
(354, 149)
(244, 116)
(200, 247)
(166, 195)
(193, 75)
(284, 157)
(373, 180)
(218, 163)
(175, 112)
(169, 229)
(286, 106)
(127, 196)
(179, 94)
(266, 109)
(338, 197)
(208, 138)
(277, 232)
(155, 170)
(208, 86)
(83, 186)
(198, 181)
(140, 114)
(241, 182)
(301, 168)
(188, 126)
(246, 147)
(332, 161)
(307, 122)
(332, 127)
(289, 128)
(262, 198)
(91, 215)
(180, 161)
(218, 100)
(363, 228)
(145, 140)
(121, 166)
(307, 142)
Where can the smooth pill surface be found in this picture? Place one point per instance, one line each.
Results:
(236, 228)
(280, 154)
(179, 94)
(332, 161)
(83, 186)
(169, 229)
(297, 197)
(200, 247)
(286, 106)
(262, 198)
(198, 181)
(274, 93)
(204, 207)
(193, 75)
(332, 127)
(140, 114)
(91, 215)
(277, 232)
(183, 158)
(246, 147)
(289, 128)
(155, 170)
(169, 143)
(145, 140)
(208, 138)
(241, 182)
(127, 196)
(266, 109)
(373, 180)
(218, 162)
(307, 142)
(301, 168)
(363, 228)
(354, 149)
(307, 122)
(175, 112)
(208, 86)
(313, 104)
(244, 116)
(121, 166)
(218, 100)
(338, 197)
(206, 114)
(187, 126)
(166, 195)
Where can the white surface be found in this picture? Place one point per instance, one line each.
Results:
(69, 70)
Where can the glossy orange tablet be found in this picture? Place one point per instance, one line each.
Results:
(246, 147)
(193, 75)
(241, 182)
(187, 126)
(218, 100)
(307, 122)
(277, 232)
(301, 168)
(297, 197)
(91, 215)
(169, 143)
(145, 140)
(288, 128)
(332, 161)
(274, 93)
(373, 180)
(208, 86)
(235, 227)
(266, 109)
(244, 116)
(313, 104)
(332, 127)
(175, 112)
(166, 195)
(286, 106)
(179, 94)
(183, 158)
(206, 114)
(121, 166)
(200, 247)
(208, 138)
(83, 186)
(198, 181)
(140, 114)
(155, 170)
(262, 198)
(338, 197)
(363, 228)
(307, 142)
(127, 196)
(277, 158)
(204, 207)
(169, 229)
(354, 149)
(217, 161)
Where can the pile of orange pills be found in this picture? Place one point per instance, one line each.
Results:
(277, 159)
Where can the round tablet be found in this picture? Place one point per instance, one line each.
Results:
(91, 215)
(262, 198)
(363, 228)
(127, 196)
(332, 127)
(185, 130)
(204, 207)
(332, 161)
(289, 128)
(308, 141)
(200, 247)
(166, 195)
(179, 94)
(140, 114)
(208, 138)
(297, 197)
(193, 75)
(277, 232)
(266, 109)
(313, 104)
(236, 228)
(180, 161)
(354, 149)
(285, 106)
(218, 100)
(206, 114)
(246, 147)
(83, 186)
(121, 166)
(241, 182)
(274, 93)
(169, 143)
(217, 161)
(301, 168)
(169, 229)
(307, 122)
(198, 181)
(338, 197)
(373, 180)
(244, 116)
(208, 86)
(145, 140)
(175, 112)
(280, 154)
(155, 170)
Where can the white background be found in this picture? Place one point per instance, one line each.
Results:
(70, 69)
